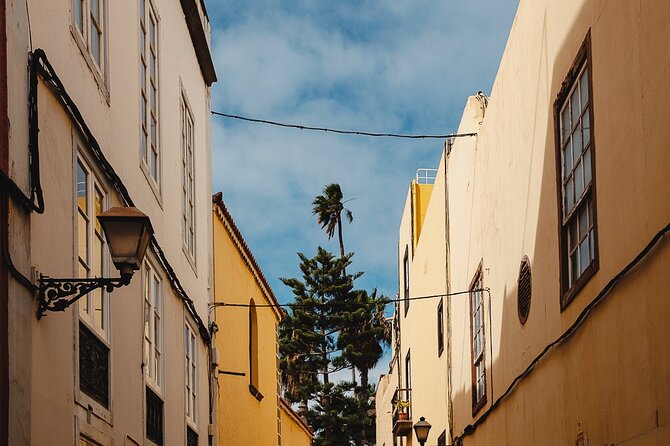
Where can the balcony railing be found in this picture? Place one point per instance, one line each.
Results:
(402, 412)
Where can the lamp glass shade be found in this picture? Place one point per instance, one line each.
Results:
(128, 232)
(421, 429)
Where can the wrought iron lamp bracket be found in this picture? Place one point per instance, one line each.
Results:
(54, 293)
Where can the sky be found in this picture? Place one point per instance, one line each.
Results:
(394, 66)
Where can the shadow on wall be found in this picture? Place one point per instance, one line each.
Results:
(610, 377)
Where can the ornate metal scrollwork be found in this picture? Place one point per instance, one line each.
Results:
(54, 293)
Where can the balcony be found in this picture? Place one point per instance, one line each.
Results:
(402, 412)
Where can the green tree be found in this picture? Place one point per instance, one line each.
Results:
(328, 209)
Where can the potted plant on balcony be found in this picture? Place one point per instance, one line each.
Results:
(401, 406)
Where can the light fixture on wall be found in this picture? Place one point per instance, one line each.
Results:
(421, 429)
(128, 232)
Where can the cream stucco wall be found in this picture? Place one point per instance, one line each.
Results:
(46, 405)
(242, 418)
(611, 376)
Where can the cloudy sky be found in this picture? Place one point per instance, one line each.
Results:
(376, 65)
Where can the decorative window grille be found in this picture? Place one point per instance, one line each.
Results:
(440, 327)
(93, 366)
(154, 418)
(524, 290)
(191, 437)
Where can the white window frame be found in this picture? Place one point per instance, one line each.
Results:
(188, 178)
(81, 31)
(85, 267)
(149, 89)
(191, 374)
(153, 333)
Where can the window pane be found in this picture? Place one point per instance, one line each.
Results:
(82, 186)
(577, 141)
(565, 125)
(567, 162)
(98, 209)
(573, 236)
(574, 106)
(583, 222)
(586, 128)
(79, 14)
(574, 266)
(95, 44)
(569, 195)
(154, 165)
(579, 180)
(95, 8)
(82, 239)
(587, 166)
(584, 255)
(584, 88)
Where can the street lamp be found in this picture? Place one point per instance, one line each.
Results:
(421, 429)
(128, 232)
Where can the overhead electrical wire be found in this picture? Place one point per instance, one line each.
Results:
(342, 132)
(343, 304)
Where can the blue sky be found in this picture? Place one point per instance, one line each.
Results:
(383, 66)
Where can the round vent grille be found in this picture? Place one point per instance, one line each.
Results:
(524, 293)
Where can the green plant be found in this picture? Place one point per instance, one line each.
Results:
(402, 404)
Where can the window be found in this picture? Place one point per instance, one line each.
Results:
(88, 28)
(83, 441)
(442, 439)
(154, 417)
(576, 166)
(153, 327)
(440, 328)
(408, 381)
(190, 345)
(191, 437)
(524, 290)
(405, 269)
(149, 141)
(188, 183)
(253, 351)
(94, 307)
(92, 257)
(477, 342)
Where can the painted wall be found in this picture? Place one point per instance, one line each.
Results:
(611, 376)
(609, 380)
(47, 406)
(242, 418)
(294, 431)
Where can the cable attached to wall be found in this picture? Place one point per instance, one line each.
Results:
(567, 334)
(40, 65)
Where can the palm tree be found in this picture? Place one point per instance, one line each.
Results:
(328, 209)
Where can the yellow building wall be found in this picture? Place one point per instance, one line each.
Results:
(420, 199)
(241, 418)
(293, 432)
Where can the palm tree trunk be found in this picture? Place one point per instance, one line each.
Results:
(339, 234)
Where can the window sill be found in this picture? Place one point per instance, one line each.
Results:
(255, 393)
(95, 408)
(569, 295)
(155, 188)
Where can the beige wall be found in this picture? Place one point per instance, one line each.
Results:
(47, 407)
(611, 376)
(242, 418)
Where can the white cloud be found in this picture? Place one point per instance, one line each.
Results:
(401, 66)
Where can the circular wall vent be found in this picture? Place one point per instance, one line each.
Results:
(524, 290)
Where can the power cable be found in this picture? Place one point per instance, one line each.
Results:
(343, 304)
(342, 132)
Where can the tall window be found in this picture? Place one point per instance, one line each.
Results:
(574, 116)
(89, 29)
(94, 307)
(188, 183)
(408, 381)
(190, 339)
(405, 274)
(477, 343)
(153, 327)
(440, 328)
(149, 141)
(253, 351)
